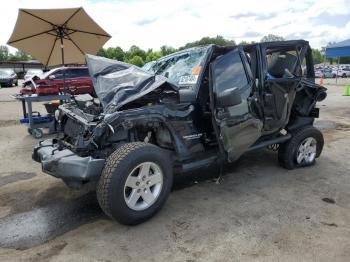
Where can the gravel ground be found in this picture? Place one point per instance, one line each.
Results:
(259, 211)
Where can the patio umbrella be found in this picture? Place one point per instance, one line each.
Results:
(57, 36)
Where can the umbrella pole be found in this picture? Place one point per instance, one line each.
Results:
(336, 79)
(62, 51)
(60, 31)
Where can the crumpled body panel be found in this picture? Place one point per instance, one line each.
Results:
(117, 83)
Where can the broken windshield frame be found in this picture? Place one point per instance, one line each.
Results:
(182, 68)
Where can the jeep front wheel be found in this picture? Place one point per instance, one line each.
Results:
(135, 182)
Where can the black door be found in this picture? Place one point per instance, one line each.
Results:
(282, 79)
(238, 125)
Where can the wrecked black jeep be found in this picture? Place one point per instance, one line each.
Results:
(192, 109)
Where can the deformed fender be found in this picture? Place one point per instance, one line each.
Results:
(153, 114)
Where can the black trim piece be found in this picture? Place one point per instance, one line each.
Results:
(70, 39)
(86, 32)
(53, 46)
(65, 23)
(222, 153)
(200, 163)
(24, 38)
(42, 19)
(272, 141)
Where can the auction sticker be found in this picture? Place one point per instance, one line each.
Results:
(188, 80)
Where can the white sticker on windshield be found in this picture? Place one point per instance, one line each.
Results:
(188, 80)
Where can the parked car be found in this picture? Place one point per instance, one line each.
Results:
(72, 80)
(326, 73)
(344, 72)
(8, 77)
(202, 106)
(33, 72)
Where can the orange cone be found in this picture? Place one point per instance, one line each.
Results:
(321, 81)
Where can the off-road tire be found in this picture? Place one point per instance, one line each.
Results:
(110, 188)
(288, 150)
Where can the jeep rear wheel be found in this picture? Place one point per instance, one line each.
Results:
(302, 149)
(135, 182)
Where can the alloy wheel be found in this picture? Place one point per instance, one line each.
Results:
(307, 151)
(143, 186)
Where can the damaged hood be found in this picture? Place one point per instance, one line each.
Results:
(117, 83)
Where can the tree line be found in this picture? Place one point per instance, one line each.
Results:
(5, 55)
(137, 56)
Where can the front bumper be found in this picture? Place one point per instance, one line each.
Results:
(65, 164)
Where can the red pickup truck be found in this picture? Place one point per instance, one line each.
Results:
(73, 80)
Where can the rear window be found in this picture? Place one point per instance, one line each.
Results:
(279, 61)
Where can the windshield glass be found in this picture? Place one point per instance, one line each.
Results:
(182, 68)
(148, 66)
(34, 72)
(46, 74)
(6, 72)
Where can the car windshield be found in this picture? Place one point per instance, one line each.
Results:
(148, 66)
(45, 75)
(34, 72)
(182, 68)
(6, 72)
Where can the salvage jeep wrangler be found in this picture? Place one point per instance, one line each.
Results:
(195, 108)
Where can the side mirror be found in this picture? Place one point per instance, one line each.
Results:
(52, 77)
(229, 97)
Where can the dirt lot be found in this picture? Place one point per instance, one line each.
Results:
(259, 211)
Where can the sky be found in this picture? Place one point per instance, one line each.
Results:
(153, 23)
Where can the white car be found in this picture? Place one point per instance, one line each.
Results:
(33, 72)
(344, 72)
(325, 73)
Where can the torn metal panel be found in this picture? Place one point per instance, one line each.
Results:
(117, 83)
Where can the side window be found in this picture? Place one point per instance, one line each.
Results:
(279, 61)
(59, 74)
(229, 72)
(81, 72)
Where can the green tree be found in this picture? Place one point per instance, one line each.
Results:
(167, 50)
(4, 53)
(19, 56)
(218, 40)
(271, 38)
(115, 53)
(243, 42)
(136, 60)
(317, 56)
(102, 52)
(136, 55)
(135, 51)
(152, 55)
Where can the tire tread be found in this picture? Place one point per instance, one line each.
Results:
(111, 164)
(287, 150)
